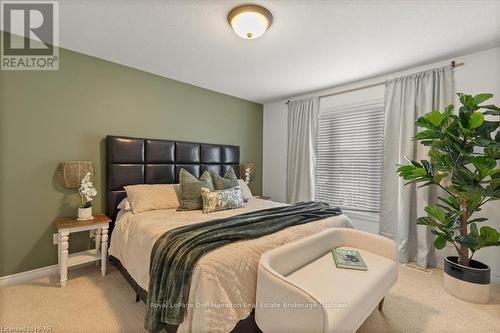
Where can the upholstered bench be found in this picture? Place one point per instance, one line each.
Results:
(299, 288)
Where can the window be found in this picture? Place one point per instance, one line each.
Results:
(349, 156)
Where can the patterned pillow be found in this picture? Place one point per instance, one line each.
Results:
(190, 189)
(223, 183)
(247, 194)
(215, 200)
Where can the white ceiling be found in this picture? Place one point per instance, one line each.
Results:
(311, 44)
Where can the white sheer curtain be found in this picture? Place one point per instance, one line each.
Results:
(406, 99)
(301, 153)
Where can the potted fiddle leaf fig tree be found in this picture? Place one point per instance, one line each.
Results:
(463, 157)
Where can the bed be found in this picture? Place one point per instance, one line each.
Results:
(222, 292)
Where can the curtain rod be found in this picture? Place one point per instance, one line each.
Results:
(453, 64)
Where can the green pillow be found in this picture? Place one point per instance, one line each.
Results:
(190, 189)
(223, 183)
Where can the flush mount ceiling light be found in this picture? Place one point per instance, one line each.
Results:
(250, 21)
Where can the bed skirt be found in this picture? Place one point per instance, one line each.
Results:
(246, 325)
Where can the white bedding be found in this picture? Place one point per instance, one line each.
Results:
(223, 283)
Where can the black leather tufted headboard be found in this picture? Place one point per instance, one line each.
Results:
(131, 161)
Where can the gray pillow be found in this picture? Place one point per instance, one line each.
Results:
(216, 200)
(223, 183)
(190, 190)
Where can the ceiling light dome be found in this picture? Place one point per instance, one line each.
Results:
(250, 21)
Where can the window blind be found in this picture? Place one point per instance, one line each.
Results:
(349, 156)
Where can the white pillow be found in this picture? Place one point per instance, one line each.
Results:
(247, 194)
(124, 204)
(145, 197)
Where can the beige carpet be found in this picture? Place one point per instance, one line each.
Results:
(91, 303)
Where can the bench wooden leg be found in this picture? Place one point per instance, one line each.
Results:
(381, 304)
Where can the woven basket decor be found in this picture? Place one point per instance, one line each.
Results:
(70, 173)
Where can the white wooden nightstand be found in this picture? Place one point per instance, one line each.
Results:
(65, 226)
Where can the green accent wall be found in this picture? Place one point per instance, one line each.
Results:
(51, 116)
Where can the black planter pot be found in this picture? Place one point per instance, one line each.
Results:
(471, 283)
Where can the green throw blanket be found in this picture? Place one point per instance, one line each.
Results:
(176, 252)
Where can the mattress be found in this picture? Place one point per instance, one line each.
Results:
(223, 284)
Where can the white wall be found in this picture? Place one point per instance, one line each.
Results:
(480, 73)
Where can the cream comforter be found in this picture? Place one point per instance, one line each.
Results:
(223, 283)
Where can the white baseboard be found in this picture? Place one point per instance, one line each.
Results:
(34, 274)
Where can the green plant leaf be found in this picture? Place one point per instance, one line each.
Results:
(484, 163)
(451, 201)
(440, 242)
(412, 173)
(426, 221)
(464, 117)
(463, 176)
(476, 119)
(437, 213)
(449, 209)
(477, 191)
(490, 107)
(473, 229)
(448, 111)
(475, 240)
(434, 117)
(489, 234)
(428, 134)
(428, 167)
(485, 130)
(480, 98)
(439, 177)
(470, 194)
(483, 142)
(422, 122)
(467, 101)
(415, 163)
(492, 113)
(479, 219)
(492, 151)
(468, 241)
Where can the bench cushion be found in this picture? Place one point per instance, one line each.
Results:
(354, 292)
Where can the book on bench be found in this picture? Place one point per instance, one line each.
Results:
(349, 259)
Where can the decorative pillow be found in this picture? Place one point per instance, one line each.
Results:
(215, 200)
(146, 197)
(245, 190)
(190, 189)
(177, 188)
(124, 205)
(223, 183)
